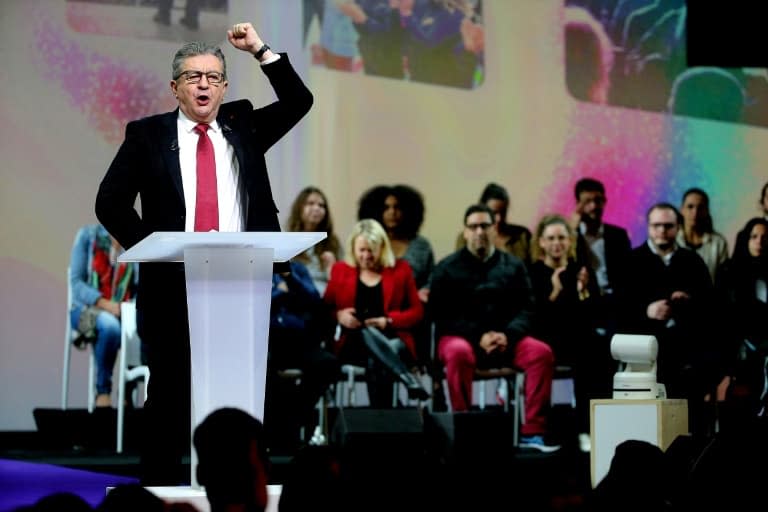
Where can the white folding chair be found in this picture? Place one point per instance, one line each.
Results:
(69, 336)
(130, 366)
(504, 379)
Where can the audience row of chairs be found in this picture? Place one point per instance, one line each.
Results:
(508, 382)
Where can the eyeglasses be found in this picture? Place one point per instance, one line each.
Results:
(194, 77)
(664, 225)
(481, 225)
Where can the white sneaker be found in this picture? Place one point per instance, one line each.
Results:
(585, 443)
(318, 438)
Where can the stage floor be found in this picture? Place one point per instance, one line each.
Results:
(35, 464)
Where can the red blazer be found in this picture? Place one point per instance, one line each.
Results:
(401, 298)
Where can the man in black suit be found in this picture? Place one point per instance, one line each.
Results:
(158, 161)
(605, 249)
(603, 246)
(669, 296)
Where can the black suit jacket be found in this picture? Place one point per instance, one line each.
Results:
(617, 249)
(147, 166)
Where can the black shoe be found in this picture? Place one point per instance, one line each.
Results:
(418, 393)
(190, 24)
(415, 390)
(438, 401)
(163, 19)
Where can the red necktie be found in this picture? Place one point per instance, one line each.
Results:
(207, 201)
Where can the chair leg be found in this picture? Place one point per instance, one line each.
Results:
(519, 408)
(91, 379)
(351, 400)
(320, 435)
(121, 400)
(395, 390)
(65, 373)
(504, 387)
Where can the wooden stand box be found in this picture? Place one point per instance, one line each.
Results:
(613, 421)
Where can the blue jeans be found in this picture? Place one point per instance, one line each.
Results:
(105, 348)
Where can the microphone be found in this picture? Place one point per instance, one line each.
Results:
(175, 145)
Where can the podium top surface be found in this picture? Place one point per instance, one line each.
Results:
(638, 401)
(169, 246)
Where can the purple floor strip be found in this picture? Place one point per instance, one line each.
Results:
(23, 483)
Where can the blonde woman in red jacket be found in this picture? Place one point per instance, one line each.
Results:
(376, 304)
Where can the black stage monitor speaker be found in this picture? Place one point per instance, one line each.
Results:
(68, 428)
(378, 428)
(383, 458)
(472, 437)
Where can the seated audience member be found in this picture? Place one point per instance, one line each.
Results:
(566, 294)
(562, 287)
(603, 247)
(373, 295)
(510, 238)
(669, 295)
(232, 460)
(99, 284)
(697, 232)
(744, 285)
(400, 210)
(310, 212)
(482, 304)
(296, 341)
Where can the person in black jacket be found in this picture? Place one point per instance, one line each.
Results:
(157, 162)
(482, 305)
(670, 295)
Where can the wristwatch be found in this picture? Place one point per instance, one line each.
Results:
(259, 54)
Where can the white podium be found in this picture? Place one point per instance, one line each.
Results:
(229, 286)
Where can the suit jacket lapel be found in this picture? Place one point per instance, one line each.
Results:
(169, 147)
(244, 179)
(230, 117)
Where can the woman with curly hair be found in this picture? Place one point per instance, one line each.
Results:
(400, 209)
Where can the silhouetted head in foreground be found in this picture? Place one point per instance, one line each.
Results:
(636, 480)
(233, 462)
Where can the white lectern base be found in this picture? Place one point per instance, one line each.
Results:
(197, 496)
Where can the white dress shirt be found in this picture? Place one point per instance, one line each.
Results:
(227, 172)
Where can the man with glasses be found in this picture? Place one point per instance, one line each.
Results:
(670, 295)
(482, 303)
(198, 168)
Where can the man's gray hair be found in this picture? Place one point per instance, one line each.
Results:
(193, 49)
